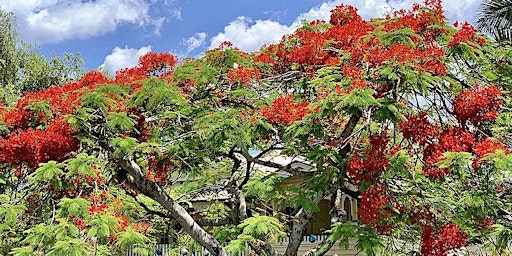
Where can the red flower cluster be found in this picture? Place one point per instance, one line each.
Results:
(352, 72)
(342, 14)
(374, 208)
(243, 75)
(159, 168)
(451, 139)
(418, 129)
(487, 146)
(264, 58)
(39, 146)
(478, 105)
(150, 64)
(373, 162)
(448, 237)
(98, 208)
(61, 100)
(466, 34)
(285, 111)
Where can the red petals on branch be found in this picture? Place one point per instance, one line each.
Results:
(244, 75)
(448, 237)
(466, 34)
(150, 64)
(488, 146)
(39, 146)
(478, 105)
(418, 129)
(342, 14)
(368, 166)
(374, 209)
(285, 111)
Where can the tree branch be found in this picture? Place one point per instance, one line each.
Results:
(177, 212)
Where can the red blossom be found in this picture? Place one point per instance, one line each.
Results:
(39, 146)
(478, 105)
(371, 163)
(451, 139)
(285, 111)
(487, 146)
(467, 33)
(448, 237)
(418, 128)
(342, 14)
(374, 208)
(243, 75)
(264, 58)
(99, 208)
(150, 64)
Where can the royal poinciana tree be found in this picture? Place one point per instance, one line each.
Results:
(410, 110)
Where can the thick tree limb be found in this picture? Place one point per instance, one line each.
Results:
(155, 192)
(214, 222)
(321, 249)
(287, 167)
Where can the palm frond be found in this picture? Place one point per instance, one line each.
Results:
(495, 19)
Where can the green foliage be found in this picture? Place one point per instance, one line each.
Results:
(399, 36)
(123, 146)
(82, 164)
(102, 226)
(359, 99)
(48, 172)
(71, 247)
(457, 161)
(120, 120)
(23, 70)
(131, 239)
(217, 133)
(96, 100)
(368, 242)
(9, 213)
(77, 207)
(263, 228)
(389, 111)
(303, 200)
(156, 93)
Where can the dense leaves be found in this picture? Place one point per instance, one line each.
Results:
(406, 114)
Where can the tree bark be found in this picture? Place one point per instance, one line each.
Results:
(155, 192)
(300, 221)
(320, 249)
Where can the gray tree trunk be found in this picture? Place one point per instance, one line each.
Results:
(155, 192)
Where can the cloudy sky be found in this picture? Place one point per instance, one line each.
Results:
(114, 33)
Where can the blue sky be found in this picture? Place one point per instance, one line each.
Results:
(114, 33)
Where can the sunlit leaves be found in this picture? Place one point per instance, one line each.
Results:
(156, 94)
(73, 207)
(123, 146)
(9, 213)
(133, 239)
(48, 172)
(71, 247)
(263, 227)
(102, 226)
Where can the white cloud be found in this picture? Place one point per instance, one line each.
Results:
(176, 13)
(194, 41)
(249, 36)
(45, 21)
(124, 58)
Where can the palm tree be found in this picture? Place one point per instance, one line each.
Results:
(495, 19)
